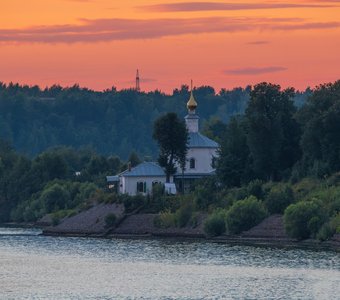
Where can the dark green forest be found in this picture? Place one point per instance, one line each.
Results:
(110, 122)
(279, 154)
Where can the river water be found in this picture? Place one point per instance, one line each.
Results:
(39, 267)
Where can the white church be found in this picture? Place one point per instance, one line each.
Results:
(200, 162)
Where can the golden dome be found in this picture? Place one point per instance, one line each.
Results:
(192, 104)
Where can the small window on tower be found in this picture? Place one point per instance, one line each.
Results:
(192, 163)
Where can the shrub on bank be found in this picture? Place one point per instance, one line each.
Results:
(215, 223)
(304, 219)
(329, 229)
(131, 203)
(278, 198)
(335, 223)
(203, 198)
(254, 188)
(61, 214)
(305, 187)
(57, 195)
(165, 219)
(245, 214)
(179, 218)
(184, 214)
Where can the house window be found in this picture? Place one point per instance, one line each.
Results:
(192, 163)
(141, 187)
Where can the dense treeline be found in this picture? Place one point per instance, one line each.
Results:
(277, 156)
(111, 122)
(58, 179)
(274, 140)
(270, 152)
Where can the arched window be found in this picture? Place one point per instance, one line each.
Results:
(192, 163)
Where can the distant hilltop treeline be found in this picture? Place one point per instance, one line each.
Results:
(111, 122)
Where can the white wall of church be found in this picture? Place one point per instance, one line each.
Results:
(203, 160)
(192, 123)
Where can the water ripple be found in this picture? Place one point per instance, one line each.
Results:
(39, 267)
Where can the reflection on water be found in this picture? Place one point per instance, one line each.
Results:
(19, 231)
(38, 267)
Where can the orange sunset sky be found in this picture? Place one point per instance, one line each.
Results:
(101, 43)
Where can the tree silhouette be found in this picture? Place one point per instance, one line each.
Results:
(273, 133)
(172, 137)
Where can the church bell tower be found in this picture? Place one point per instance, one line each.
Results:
(192, 118)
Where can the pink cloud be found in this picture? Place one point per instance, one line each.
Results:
(258, 43)
(79, 0)
(255, 71)
(306, 26)
(208, 6)
(104, 30)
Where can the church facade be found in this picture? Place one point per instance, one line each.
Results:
(200, 163)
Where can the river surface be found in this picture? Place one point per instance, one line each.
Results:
(39, 267)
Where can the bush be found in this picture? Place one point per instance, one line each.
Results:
(86, 191)
(215, 223)
(29, 210)
(335, 223)
(325, 232)
(110, 220)
(278, 198)
(240, 193)
(131, 203)
(329, 197)
(334, 179)
(203, 198)
(194, 219)
(304, 187)
(254, 188)
(165, 219)
(29, 215)
(304, 219)
(183, 214)
(329, 229)
(245, 214)
(61, 214)
(157, 191)
(100, 196)
(55, 197)
(226, 200)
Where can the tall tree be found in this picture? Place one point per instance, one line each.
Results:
(233, 161)
(273, 133)
(214, 128)
(320, 118)
(172, 137)
(134, 159)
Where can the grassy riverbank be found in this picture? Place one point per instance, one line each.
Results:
(269, 233)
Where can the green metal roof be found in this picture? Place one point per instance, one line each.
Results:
(197, 140)
(149, 169)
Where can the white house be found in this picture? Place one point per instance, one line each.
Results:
(139, 179)
(202, 153)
